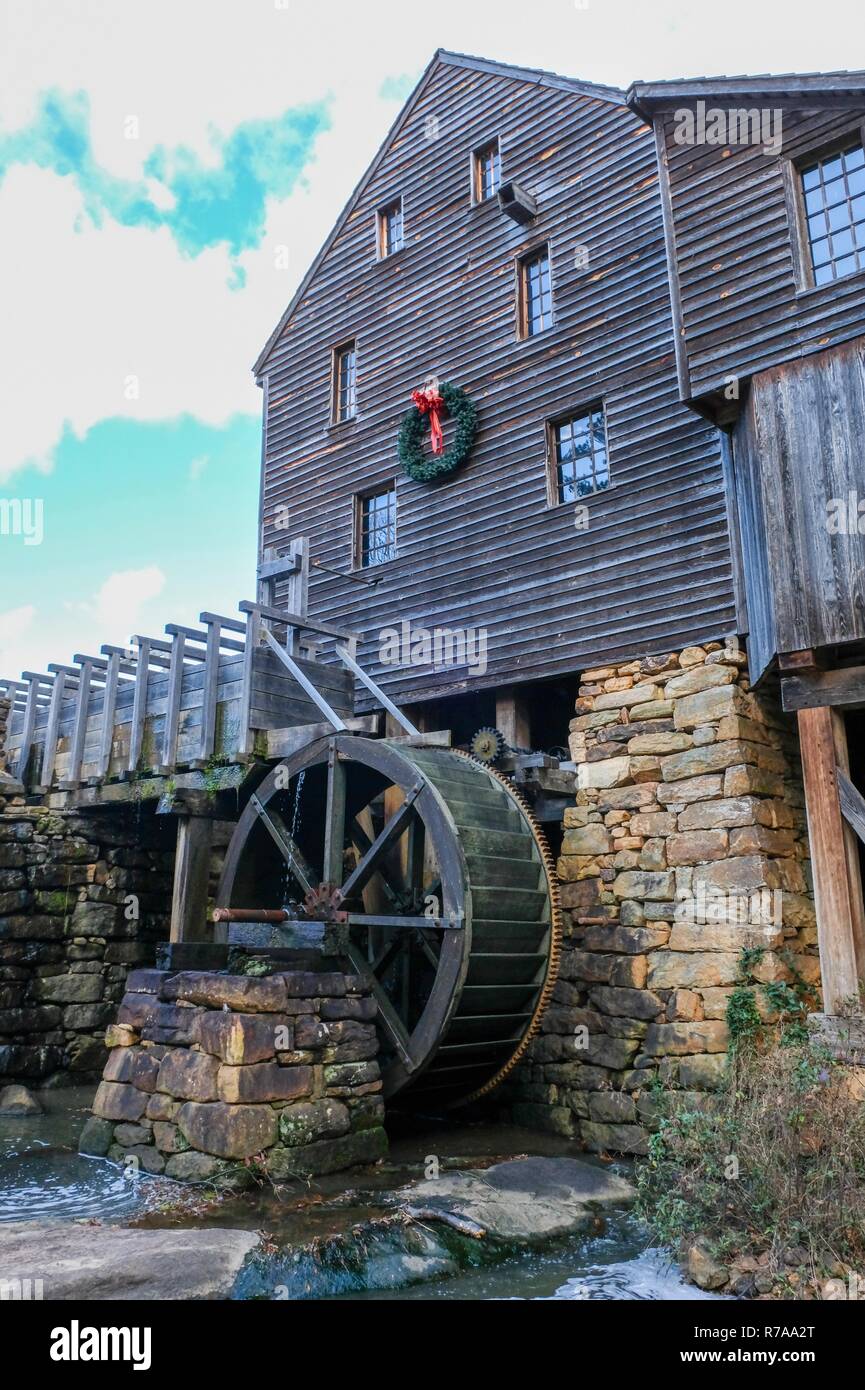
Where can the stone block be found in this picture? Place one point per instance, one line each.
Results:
(243, 993)
(135, 1065)
(627, 1003)
(702, 1072)
(690, 789)
(114, 1101)
(263, 1081)
(228, 1131)
(623, 939)
(711, 757)
(327, 1155)
(696, 679)
(612, 1107)
(307, 1122)
(586, 840)
(188, 1075)
(696, 846)
(611, 772)
(625, 1139)
(707, 706)
(639, 883)
(657, 745)
(624, 699)
(677, 1039)
(692, 969)
(240, 1039)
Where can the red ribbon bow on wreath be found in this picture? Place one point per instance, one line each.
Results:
(429, 402)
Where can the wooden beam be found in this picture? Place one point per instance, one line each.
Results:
(839, 917)
(191, 876)
(809, 689)
(512, 717)
(281, 743)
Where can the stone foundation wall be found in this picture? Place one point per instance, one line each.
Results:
(83, 899)
(212, 1076)
(687, 844)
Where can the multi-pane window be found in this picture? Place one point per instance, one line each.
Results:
(345, 383)
(834, 192)
(579, 455)
(376, 528)
(487, 171)
(536, 293)
(390, 229)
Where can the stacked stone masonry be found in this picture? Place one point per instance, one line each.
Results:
(83, 899)
(214, 1077)
(687, 844)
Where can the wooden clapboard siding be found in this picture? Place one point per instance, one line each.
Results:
(743, 307)
(797, 445)
(483, 548)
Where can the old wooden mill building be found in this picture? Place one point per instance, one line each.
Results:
(561, 469)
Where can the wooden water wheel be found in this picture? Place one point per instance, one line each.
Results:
(432, 878)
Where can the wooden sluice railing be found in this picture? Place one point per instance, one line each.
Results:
(195, 697)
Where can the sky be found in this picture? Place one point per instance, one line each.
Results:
(168, 171)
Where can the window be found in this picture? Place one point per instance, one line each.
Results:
(486, 172)
(833, 189)
(375, 528)
(536, 293)
(578, 456)
(345, 383)
(390, 229)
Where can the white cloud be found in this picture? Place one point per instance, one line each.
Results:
(121, 599)
(14, 624)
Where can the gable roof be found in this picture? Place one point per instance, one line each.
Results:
(441, 58)
(820, 89)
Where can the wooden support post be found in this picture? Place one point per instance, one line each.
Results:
(79, 728)
(837, 890)
(512, 717)
(191, 876)
(208, 696)
(109, 701)
(139, 702)
(49, 750)
(246, 736)
(168, 756)
(34, 684)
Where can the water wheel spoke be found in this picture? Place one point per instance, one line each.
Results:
(370, 862)
(362, 844)
(387, 1014)
(334, 819)
(287, 846)
(401, 923)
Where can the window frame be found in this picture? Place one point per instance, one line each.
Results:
(337, 353)
(551, 424)
(475, 170)
(797, 214)
(523, 261)
(380, 490)
(382, 253)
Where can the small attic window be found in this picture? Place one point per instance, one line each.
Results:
(390, 229)
(486, 171)
(344, 382)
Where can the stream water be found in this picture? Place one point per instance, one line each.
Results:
(337, 1237)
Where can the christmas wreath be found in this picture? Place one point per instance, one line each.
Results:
(425, 416)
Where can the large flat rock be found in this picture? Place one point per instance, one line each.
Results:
(118, 1262)
(524, 1199)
